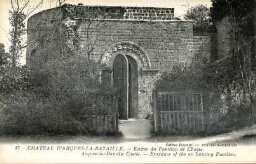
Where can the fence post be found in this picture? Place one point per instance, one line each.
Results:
(202, 110)
(156, 122)
(116, 114)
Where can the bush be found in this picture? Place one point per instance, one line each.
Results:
(236, 117)
(213, 80)
(29, 115)
(12, 79)
(55, 98)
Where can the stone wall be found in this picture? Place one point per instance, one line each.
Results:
(146, 88)
(148, 13)
(43, 36)
(165, 42)
(118, 12)
(202, 46)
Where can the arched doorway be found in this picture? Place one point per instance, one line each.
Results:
(125, 78)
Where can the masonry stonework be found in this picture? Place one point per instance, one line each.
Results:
(148, 35)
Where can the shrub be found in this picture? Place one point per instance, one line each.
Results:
(55, 98)
(213, 80)
(29, 115)
(236, 117)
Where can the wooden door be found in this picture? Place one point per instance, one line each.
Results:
(121, 83)
(133, 88)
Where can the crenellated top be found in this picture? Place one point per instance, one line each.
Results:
(117, 12)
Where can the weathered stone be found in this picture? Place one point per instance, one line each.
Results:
(156, 46)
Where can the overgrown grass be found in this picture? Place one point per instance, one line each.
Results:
(236, 118)
(29, 115)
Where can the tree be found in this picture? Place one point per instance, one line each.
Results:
(60, 2)
(3, 55)
(242, 51)
(19, 12)
(4, 67)
(200, 16)
(11, 78)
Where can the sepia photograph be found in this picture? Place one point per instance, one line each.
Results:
(131, 81)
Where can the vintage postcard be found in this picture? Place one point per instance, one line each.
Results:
(132, 81)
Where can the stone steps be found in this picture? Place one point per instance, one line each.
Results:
(135, 128)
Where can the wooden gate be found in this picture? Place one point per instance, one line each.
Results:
(102, 119)
(178, 112)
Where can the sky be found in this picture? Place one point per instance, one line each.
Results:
(180, 7)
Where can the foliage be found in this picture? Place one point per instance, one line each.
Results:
(235, 8)
(235, 73)
(60, 2)
(240, 70)
(14, 83)
(27, 114)
(4, 57)
(230, 81)
(194, 76)
(18, 30)
(229, 77)
(14, 79)
(200, 15)
(73, 82)
(67, 77)
(59, 94)
(212, 80)
(237, 116)
(11, 78)
(18, 14)
(58, 90)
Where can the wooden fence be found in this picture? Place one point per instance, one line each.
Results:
(102, 124)
(178, 112)
(102, 119)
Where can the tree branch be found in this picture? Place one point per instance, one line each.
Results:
(25, 5)
(12, 5)
(28, 13)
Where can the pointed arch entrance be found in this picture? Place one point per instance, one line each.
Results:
(125, 79)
